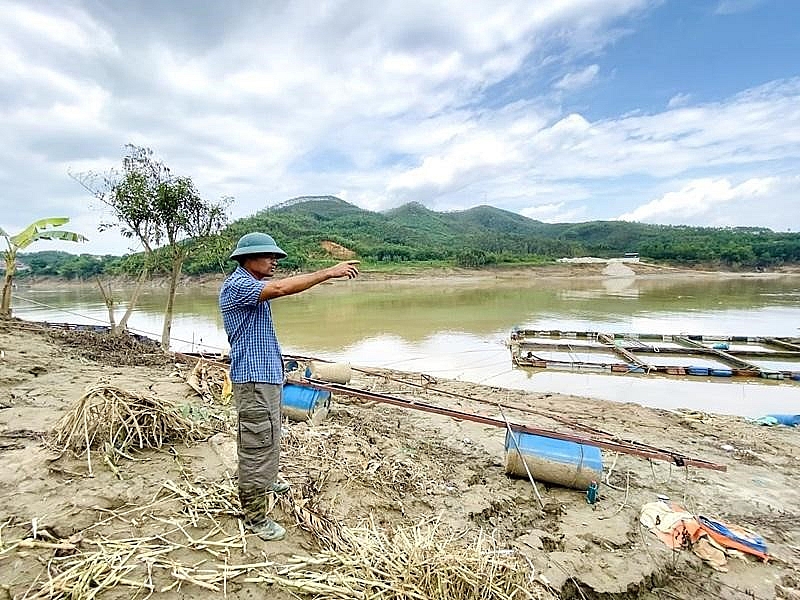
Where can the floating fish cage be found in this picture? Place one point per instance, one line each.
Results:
(712, 357)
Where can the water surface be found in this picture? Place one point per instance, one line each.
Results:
(457, 329)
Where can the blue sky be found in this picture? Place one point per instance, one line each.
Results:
(676, 112)
(693, 52)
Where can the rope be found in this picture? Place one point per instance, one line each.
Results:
(521, 457)
(653, 471)
(64, 310)
(610, 470)
(624, 500)
(106, 322)
(504, 372)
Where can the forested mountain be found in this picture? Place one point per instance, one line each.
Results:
(479, 236)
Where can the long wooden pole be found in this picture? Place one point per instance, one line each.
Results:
(622, 446)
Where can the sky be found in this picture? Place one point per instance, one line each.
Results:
(657, 111)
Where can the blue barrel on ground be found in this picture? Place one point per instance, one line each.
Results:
(721, 372)
(559, 462)
(305, 403)
(790, 420)
(701, 371)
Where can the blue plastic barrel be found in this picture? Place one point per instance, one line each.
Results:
(560, 462)
(795, 376)
(304, 403)
(702, 371)
(790, 420)
(722, 346)
(721, 372)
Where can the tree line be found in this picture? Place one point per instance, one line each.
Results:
(480, 237)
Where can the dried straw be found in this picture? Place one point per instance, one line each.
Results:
(212, 382)
(133, 562)
(311, 454)
(83, 576)
(419, 562)
(117, 421)
(210, 500)
(422, 561)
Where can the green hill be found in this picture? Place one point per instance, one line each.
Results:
(478, 236)
(489, 235)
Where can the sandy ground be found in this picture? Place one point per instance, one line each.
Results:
(397, 467)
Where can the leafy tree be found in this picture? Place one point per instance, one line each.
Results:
(155, 207)
(43, 229)
(472, 258)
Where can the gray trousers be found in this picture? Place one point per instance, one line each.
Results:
(258, 406)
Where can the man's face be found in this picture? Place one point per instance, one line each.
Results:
(262, 265)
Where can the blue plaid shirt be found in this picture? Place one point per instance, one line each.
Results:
(255, 352)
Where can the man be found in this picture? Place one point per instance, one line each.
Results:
(257, 368)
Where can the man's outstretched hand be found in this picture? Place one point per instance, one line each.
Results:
(348, 268)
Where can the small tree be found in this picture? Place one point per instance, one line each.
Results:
(155, 207)
(43, 229)
(185, 216)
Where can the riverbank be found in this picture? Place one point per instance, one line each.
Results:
(394, 467)
(587, 270)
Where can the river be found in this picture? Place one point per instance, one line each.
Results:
(458, 328)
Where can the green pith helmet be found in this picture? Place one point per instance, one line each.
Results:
(256, 243)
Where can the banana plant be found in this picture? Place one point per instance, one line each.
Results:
(43, 229)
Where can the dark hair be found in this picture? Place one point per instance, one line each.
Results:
(243, 257)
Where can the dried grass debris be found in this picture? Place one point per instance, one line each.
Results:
(111, 349)
(117, 421)
(422, 561)
(211, 380)
(312, 454)
(209, 499)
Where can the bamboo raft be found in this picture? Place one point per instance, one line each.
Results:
(682, 355)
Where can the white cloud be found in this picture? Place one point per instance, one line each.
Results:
(699, 198)
(679, 100)
(470, 154)
(577, 79)
(555, 212)
(70, 29)
(385, 102)
(759, 125)
(748, 129)
(731, 7)
(542, 211)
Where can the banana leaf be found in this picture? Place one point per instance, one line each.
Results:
(40, 230)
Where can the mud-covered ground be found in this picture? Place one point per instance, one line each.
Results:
(394, 466)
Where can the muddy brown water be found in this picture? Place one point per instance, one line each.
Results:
(457, 329)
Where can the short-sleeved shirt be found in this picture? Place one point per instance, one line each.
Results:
(255, 352)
